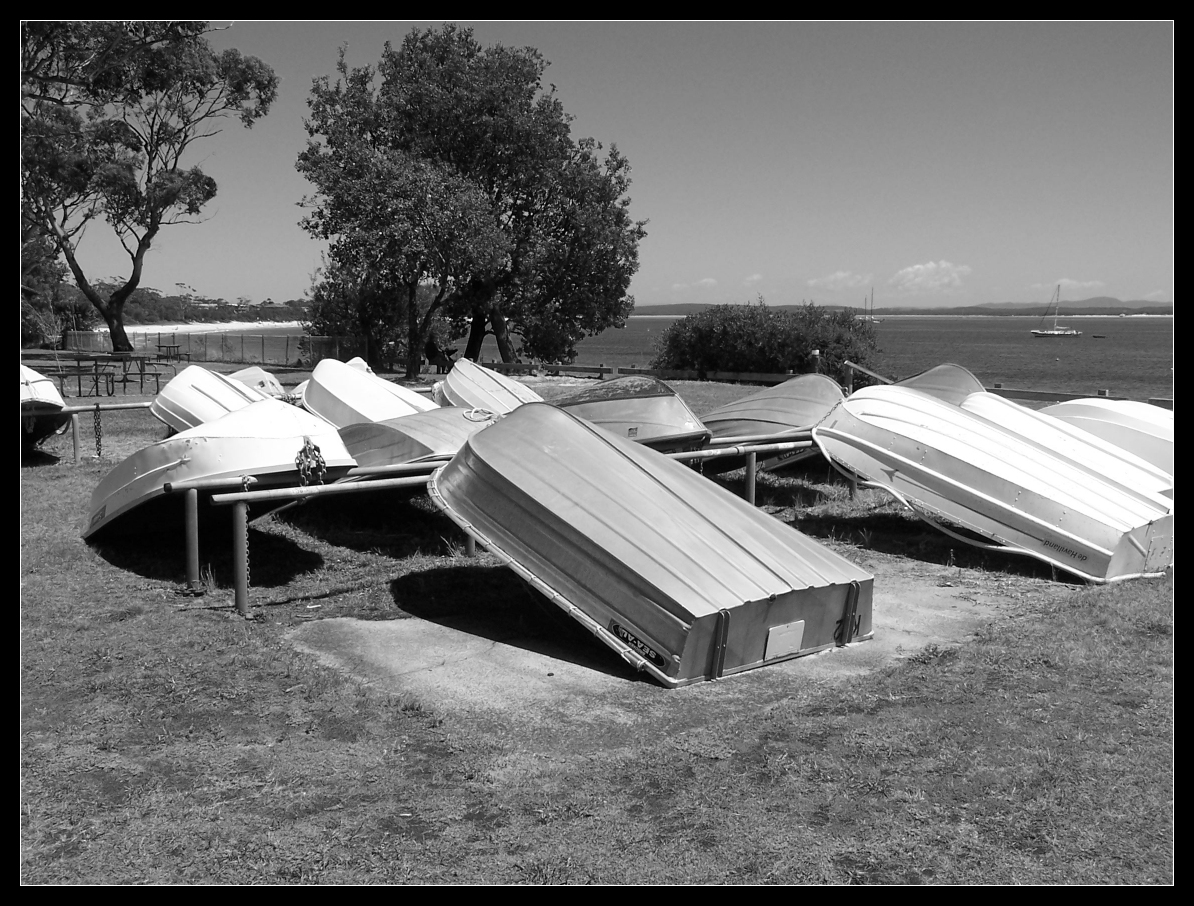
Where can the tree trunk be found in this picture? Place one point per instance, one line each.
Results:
(115, 322)
(416, 337)
(498, 321)
(476, 337)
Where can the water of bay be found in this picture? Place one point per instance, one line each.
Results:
(1130, 357)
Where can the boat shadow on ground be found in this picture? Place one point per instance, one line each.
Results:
(908, 537)
(493, 603)
(395, 523)
(275, 561)
(37, 458)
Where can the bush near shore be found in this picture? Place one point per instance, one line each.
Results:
(759, 339)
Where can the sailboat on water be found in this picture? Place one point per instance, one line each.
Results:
(868, 315)
(1054, 331)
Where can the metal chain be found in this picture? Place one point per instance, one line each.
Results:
(99, 434)
(310, 464)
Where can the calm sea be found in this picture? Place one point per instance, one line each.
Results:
(1130, 357)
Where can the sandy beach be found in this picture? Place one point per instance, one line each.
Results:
(210, 327)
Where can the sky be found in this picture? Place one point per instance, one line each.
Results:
(937, 164)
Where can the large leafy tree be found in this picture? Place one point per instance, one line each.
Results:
(449, 165)
(108, 112)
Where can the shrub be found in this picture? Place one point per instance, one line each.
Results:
(757, 338)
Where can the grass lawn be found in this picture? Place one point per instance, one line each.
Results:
(166, 740)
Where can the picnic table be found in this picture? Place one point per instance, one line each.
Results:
(102, 371)
(170, 352)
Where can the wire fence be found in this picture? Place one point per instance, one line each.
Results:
(289, 350)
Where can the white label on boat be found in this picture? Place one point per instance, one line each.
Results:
(784, 640)
(637, 644)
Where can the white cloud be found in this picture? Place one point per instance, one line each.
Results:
(1158, 294)
(933, 277)
(839, 280)
(700, 284)
(1068, 285)
(752, 280)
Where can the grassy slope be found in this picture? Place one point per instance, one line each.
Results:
(165, 740)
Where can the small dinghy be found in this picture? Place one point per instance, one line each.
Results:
(681, 578)
(794, 405)
(982, 485)
(196, 396)
(345, 395)
(260, 380)
(1140, 428)
(41, 409)
(790, 408)
(949, 383)
(470, 386)
(421, 437)
(277, 444)
(641, 409)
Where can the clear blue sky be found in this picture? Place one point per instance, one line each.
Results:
(940, 163)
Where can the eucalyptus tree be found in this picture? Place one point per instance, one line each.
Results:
(450, 165)
(108, 113)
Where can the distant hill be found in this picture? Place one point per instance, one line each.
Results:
(1099, 305)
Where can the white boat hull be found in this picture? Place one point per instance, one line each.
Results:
(344, 395)
(422, 437)
(263, 440)
(471, 386)
(260, 380)
(971, 478)
(1141, 429)
(41, 408)
(196, 396)
(1085, 451)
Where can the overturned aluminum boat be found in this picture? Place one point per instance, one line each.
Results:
(794, 405)
(278, 444)
(984, 486)
(1085, 451)
(260, 380)
(790, 408)
(682, 578)
(949, 383)
(344, 395)
(1140, 428)
(41, 408)
(196, 396)
(641, 409)
(422, 437)
(471, 386)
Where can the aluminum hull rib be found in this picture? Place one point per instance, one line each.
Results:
(261, 440)
(344, 395)
(196, 396)
(959, 471)
(678, 576)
